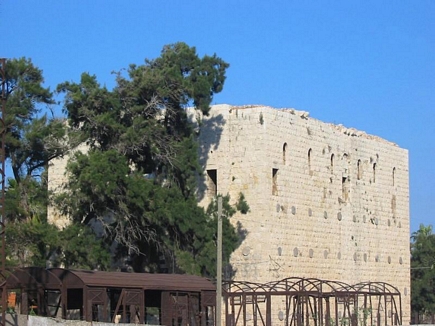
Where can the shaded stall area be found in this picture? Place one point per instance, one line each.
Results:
(159, 299)
(32, 290)
(301, 301)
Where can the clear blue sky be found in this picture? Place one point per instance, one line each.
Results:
(364, 64)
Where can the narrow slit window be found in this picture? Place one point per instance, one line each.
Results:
(309, 161)
(345, 162)
(374, 172)
(359, 170)
(332, 164)
(212, 182)
(284, 152)
(275, 182)
(394, 176)
(345, 189)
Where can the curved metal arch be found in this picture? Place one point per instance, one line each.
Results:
(294, 284)
(377, 288)
(243, 286)
(313, 301)
(319, 284)
(21, 279)
(44, 277)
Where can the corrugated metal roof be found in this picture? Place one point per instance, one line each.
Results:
(32, 278)
(146, 281)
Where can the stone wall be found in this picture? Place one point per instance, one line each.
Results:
(326, 201)
(56, 181)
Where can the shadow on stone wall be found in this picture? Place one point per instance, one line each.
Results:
(209, 139)
(210, 132)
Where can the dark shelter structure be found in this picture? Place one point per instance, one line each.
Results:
(181, 300)
(31, 289)
(160, 299)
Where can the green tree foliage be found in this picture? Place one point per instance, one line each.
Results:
(139, 177)
(31, 243)
(423, 271)
(32, 141)
(80, 248)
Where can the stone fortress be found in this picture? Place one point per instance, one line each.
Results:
(325, 201)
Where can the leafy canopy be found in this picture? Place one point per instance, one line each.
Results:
(138, 178)
(33, 139)
(423, 270)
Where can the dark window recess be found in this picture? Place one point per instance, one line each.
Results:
(332, 164)
(309, 161)
(212, 182)
(374, 172)
(345, 189)
(275, 182)
(284, 150)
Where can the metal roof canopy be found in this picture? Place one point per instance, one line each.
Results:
(105, 295)
(31, 283)
(145, 281)
(101, 296)
(28, 278)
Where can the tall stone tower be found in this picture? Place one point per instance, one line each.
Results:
(326, 201)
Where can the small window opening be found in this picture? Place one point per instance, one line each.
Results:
(345, 188)
(374, 172)
(394, 176)
(393, 205)
(212, 182)
(345, 160)
(332, 164)
(275, 182)
(359, 169)
(284, 151)
(309, 161)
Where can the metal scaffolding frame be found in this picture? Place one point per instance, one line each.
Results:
(309, 301)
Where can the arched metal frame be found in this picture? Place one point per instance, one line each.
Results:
(33, 288)
(310, 301)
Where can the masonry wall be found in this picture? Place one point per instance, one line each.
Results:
(326, 201)
(56, 182)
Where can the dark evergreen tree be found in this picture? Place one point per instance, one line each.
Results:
(33, 139)
(138, 178)
(423, 271)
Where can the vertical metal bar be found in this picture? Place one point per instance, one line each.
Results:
(219, 266)
(268, 310)
(226, 311)
(244, 303)
(3, 176)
